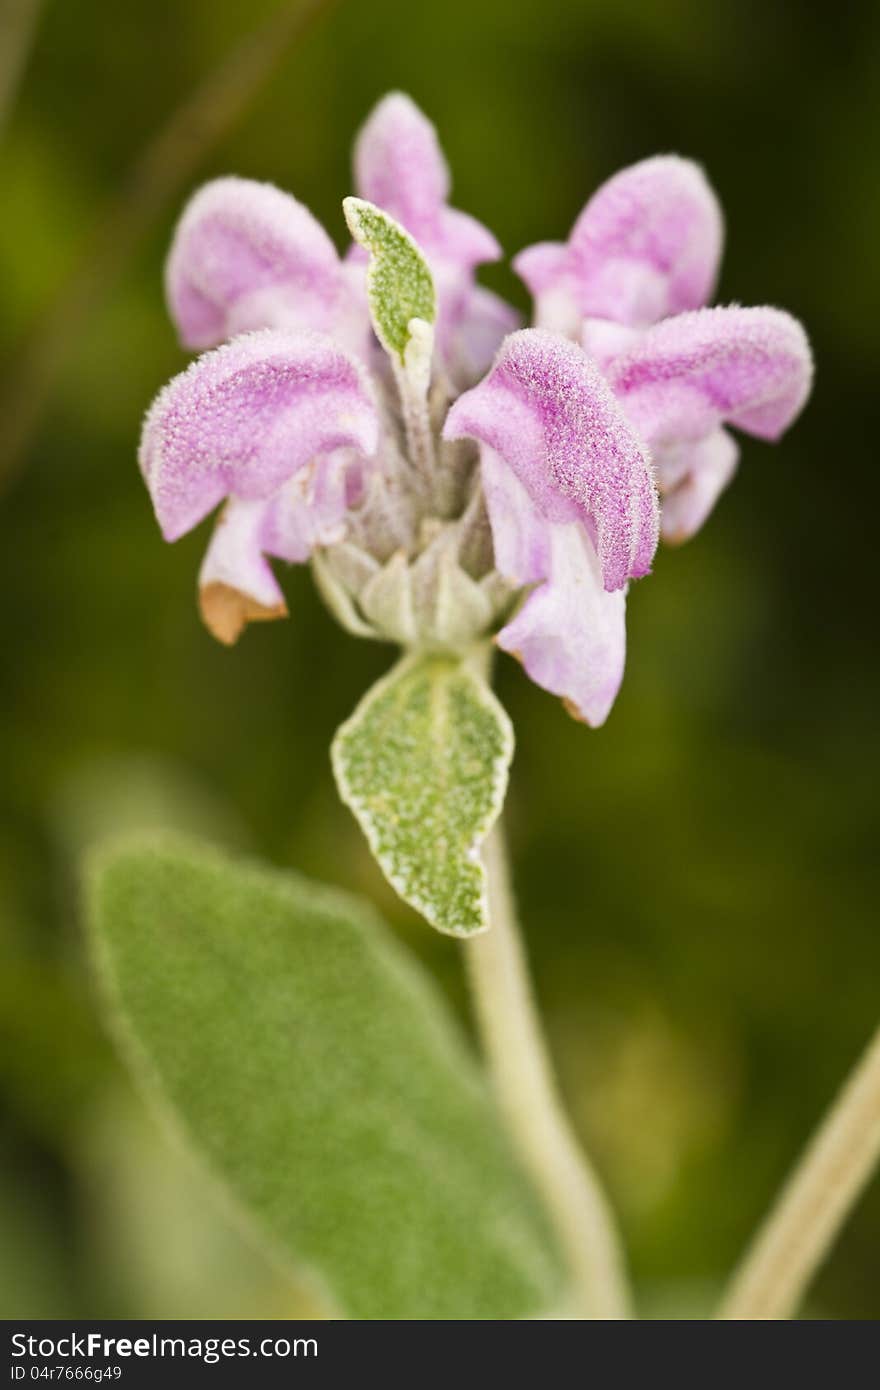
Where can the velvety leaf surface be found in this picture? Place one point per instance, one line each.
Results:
(314, 1066)
(399, 284)
(423, 765)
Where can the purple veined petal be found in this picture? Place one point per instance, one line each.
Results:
(697, 475)
(244, 418)
(472, 326)
(312, 509)
(290, 311)
(751, 368)
(546, 270)
(569, 634)
(520, 535)
(546, 410)
(543, 265)
(245, 255)
(465, 241)
(646, 245)
(236, 583)
(399, 166)
(604, 341)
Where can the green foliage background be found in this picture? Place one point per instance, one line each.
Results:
(699, 880)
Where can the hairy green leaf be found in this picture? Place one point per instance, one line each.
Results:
(316, 1068)
(423, 765)
(400, 287)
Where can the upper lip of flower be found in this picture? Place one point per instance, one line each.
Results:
(246, 417)
(632, 283)
(647, 244)
(546, 411)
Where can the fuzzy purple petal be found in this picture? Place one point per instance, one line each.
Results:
(546, 410)
(243, 419)
(245, 256)
(399, 166)
(646, 245)
(543, 266)
(472, 325)
(520, 534)
(692, 478)
(570, 633)
(313, 507)
(603, 340)
(236, 582)
(464, 241)
(751, 368)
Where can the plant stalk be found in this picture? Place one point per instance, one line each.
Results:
(814, 1204)
(530, 1103)
(163, 167)
(18, 24)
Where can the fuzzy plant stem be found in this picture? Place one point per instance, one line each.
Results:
(526, 1091)
(815, 1202)
(413, 383)
(417, 426)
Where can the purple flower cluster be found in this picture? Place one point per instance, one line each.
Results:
(550, 443)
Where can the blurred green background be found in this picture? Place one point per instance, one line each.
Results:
(698, 880)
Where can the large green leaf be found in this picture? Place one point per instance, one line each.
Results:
(423, 764)
(316, 1068)
(400, 287)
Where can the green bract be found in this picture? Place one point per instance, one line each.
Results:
(400, 287)
(423, 764)
(319, 1072)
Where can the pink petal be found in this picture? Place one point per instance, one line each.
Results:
(603, 340)
(701, 472)
(746, 367)
(244, 256)
(520, 535)
(546, 410)
(543, 265)
(569, 634)
(236, 584)
(399, 165)
(313, 507)
(646, 245)
(472, 326)
(465, 241)
(244, 418)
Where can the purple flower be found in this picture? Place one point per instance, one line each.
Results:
(245, 255)
(572, 507)
(276, 422)
(489, 480)
(630, 285)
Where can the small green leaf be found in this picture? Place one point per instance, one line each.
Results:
(316, 1068)
(423, 765)
(400, 287)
